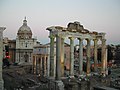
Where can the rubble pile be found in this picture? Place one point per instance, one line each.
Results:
(17, 78)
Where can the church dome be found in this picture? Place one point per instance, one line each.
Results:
(24, 31)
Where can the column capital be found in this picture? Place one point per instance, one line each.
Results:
(51, 36)
(95, 39)
(88, 39)
(81, 39)
(2, 28)
(58, 35)
(72, 38)
(103, 40)
(95, 42)
(62, 37)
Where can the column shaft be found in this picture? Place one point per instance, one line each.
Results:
(33, 65)
(1, 57)
(58, 57)
(103, 58)
(88, 57)
(48, 66)
(43, 67)
(36, 70)
(51, 56)
(106, 61)
(39, 65)
(95, 54)
(41, 62)
(71, 56)
(62, 56)
(80, 56)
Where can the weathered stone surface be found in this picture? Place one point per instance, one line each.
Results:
(1, 56)
(59, 85)
(77, 27)
(16, 77)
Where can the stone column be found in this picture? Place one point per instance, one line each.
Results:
(58, 57)
(48, 66)
(1, 57)
(103, 57)
(80, 55)
(58, 83)
(43, 67)
(36, 65)
(51, 56)
(39, 65)
(71, 56)
(88, 57)
(62, 56)
(106, 68)
(33, 64)
(95, 54)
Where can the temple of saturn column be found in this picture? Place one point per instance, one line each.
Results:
(1, 56)
(75, 31)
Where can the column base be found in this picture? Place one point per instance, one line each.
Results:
(89, 74)
(80, 73)
(71, 76)
(59, 85)
(103, 74)
(106, 71)
(1, 85)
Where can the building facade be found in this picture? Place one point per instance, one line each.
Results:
(20, 50)
(41, 59)
(11, 46)
(24, 44)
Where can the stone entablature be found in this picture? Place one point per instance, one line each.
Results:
(64, 32)
(42, 49)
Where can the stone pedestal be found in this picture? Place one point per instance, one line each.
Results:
(59, 85)
(1, 56)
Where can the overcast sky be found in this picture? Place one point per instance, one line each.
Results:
(94, 15)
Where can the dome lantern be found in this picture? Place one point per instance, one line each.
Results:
(25, 22)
